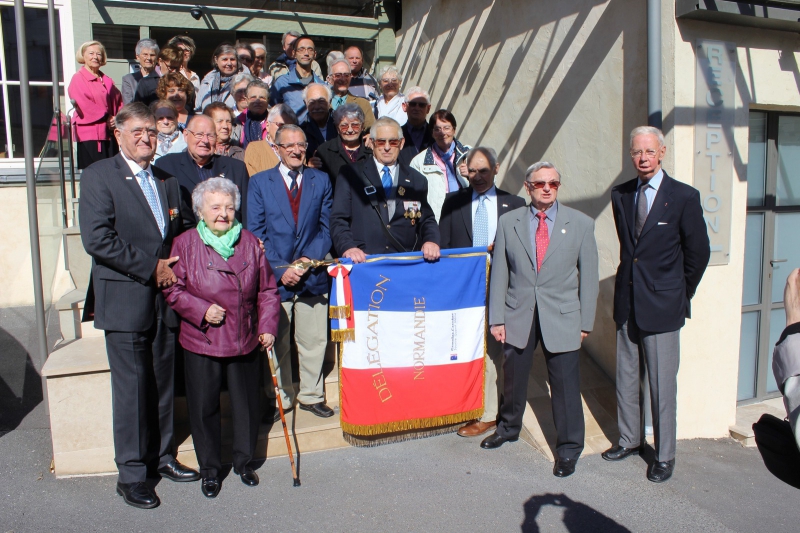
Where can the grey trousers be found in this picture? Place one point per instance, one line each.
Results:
(660, 352)
(493, 379)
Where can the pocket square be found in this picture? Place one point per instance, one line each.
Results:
(662, 223)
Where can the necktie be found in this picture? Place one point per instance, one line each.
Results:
(480, 236)
(542, 240)
(337, 101)
(293, 187)
(386, 181)
(641, 210)
(150, 196)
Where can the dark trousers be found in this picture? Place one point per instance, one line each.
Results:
(563, 370)
(204, 376)
(142, 392)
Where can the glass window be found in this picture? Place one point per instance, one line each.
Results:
(787, 228)
(757, 158)
(38, 45)
(119, 41)
(5, 149)
(748, 356)
(753, 249)
(41, 117)
(355, 8)
(788, 160)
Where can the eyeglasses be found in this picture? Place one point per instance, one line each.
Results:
(245, 59)
(261, 58)
(390, 80)
(648, 153)
(292, 146)
(443, 129)
(320, 101)
(540, 184)
(355, 126)
(394, 143)
(304, 49)
(341, 76)
(240, 92)
(200, 135)
(138, 133)
(417, 104)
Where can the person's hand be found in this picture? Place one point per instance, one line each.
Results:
(498, 332)
(163, 274)
(430, 251)
(112, 123)
(791, 297)
(261, 245)
(266, 340)
(462, 169)
(584, 334)
(314, 161)
(368, 141)
(292, 276)
(215, 314)
(356, 255)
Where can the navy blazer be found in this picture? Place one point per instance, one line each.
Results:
(183, 167)
(355, 223)
(664, 267)
(314, 136)
(121, 235)
(455, 224)
(270, 219)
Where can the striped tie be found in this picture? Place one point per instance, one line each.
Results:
(152, 200)
(481, 231)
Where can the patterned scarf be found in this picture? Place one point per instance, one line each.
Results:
(447, 157)
(165, 141)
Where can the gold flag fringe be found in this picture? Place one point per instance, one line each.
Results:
(432, 424)
(400, 436)
(339, 311)
(343, 335)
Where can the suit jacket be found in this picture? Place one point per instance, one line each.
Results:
(664, 268)
(355, 223)
(128, 86)
(314, 137)
(455, 223)
(564, 290)
(121, 235)
(183, 167)
(334, 157)
(270, 219)
(409, 149)
(366, 107)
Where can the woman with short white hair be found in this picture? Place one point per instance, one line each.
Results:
(390, 104)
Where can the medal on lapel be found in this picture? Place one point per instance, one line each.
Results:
(401, 191)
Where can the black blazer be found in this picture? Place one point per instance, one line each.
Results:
(314, 137)
(334, 157)
(409, 149)
(121, 235)
(183, 167)
(455, 224)
(664, 267)
(355, 223)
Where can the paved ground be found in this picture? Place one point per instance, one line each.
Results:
(440, 485)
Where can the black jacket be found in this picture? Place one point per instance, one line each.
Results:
(409, 149)
(356, 224)
(314, 137)
(333, 157)
(183, 167)
(455, 224)
(664, 267)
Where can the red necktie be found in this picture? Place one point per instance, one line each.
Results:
(542, 240)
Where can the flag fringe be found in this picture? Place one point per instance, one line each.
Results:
(339, 311)
(400, 436)
(431, 424)
(343, 335)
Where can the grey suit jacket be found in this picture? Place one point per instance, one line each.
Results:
(565, 289)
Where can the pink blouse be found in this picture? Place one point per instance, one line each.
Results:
(96, 99)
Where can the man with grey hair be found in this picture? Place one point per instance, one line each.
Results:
(318, 126)
(417, 131)
(130, 212)
(305, 195)
(340, 82)
(146, 55)
(544, 289)
(381, 204)
(469, 218)
(664, 251)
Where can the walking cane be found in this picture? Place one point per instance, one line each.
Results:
(270, 355)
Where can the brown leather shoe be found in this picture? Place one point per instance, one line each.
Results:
(473, 429)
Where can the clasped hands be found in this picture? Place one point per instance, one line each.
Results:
(163, 274)
(216, 314)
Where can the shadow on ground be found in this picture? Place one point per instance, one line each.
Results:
(576, 515)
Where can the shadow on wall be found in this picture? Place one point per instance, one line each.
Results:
(20, 383)
(577, 516)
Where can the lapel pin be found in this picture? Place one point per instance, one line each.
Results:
(401, 190)
(665, 205)
(505, 205)
(128, 177)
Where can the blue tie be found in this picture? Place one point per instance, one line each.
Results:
(150, 195)
(386, 181)
(337, 101)
(480, 235)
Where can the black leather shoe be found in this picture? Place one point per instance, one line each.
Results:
(564, 467)
(618, 453)
(495, 441)
(138, 495)
(319, 409)
(177, 472)
(660, 471)
(248, 475)
(210, 487)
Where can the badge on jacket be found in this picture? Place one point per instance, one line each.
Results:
(412, 210)
(173, 213)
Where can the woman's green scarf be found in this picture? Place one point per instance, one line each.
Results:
(224, 244)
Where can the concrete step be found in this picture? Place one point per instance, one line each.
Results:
(70, 311)
(747, 415)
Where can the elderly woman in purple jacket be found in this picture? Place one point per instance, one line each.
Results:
(228, 301)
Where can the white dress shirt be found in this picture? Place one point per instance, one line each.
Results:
(287, 179)
(135, 168)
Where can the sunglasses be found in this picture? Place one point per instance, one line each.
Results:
(417, 104)
(394, 143)
(540, 184)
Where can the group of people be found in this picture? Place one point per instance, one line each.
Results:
(205, 249)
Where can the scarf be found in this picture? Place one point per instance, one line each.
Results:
(447, 158)
(165, 141)
(252, 128)
(220, 87)
(224, 244)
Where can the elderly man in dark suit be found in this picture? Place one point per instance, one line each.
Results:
(664, 251)
(199, 163)
(417, 132)
(469, 218)
(380, 205)
(129, 214)
(544, 289)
